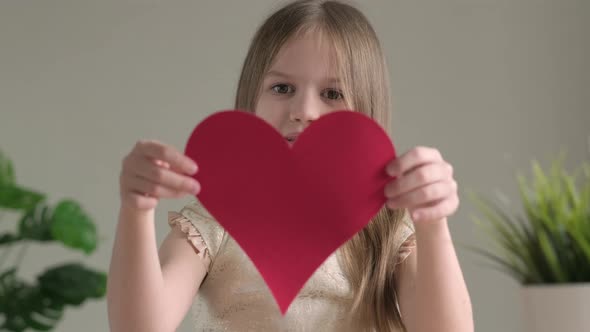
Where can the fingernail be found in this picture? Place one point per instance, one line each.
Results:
(194, 169)
(196, 188)
(391, 171)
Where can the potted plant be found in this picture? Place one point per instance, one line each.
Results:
(40, 306)
(546, 248)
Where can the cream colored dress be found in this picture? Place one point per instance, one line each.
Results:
(234, 297)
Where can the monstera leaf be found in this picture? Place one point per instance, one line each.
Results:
(11, 195)
(26, 305)
(36, 224)
(67, 223)
(72, 284)
(16, 198)
(40, 307)
(72, 226)
(8, 238)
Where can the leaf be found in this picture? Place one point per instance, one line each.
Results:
(41, 306)
(14, 197)
(551, 256)
(36, 224)
(8, 238)
(72, 226)
(572, 194)
(73, 283)
(26, 306)
(514, 270)
(512, 240)
(530, 211)
(552, 243)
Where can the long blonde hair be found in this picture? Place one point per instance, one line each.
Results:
(369, 258)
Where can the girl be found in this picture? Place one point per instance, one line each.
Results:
(306, 60)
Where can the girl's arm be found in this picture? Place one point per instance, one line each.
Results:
(144, 292)
(432, 293)
(431, 290)
(147, 291)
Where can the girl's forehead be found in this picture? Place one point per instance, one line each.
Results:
(313, 38)
(311, 53)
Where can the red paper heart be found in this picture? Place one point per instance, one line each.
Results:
(290, 208)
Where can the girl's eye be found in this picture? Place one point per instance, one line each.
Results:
(333, 94)
(281, 88)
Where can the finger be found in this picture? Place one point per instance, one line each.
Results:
(437, 210)
(162, 163)
(176, 160)
(412, 159)
(417, 178)
(424, 195)
(163, 176)
(142, 186)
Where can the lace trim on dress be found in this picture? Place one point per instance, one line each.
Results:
(193, 236)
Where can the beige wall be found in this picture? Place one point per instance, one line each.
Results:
(491, 83)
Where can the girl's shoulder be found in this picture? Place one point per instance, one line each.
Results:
(203, 232)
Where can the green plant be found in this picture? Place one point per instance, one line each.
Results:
(551, 243)
(40, 306)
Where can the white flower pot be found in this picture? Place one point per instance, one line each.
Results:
(557, 308)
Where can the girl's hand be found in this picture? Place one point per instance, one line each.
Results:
(153, 170)
(423, 184)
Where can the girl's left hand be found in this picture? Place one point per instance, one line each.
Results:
(424, 184)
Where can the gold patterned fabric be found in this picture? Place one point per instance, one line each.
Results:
(234, 297)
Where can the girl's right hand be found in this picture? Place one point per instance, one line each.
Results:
(153, 170)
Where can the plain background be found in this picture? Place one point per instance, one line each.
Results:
(491, 83)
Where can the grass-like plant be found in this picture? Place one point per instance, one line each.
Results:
(550, 243)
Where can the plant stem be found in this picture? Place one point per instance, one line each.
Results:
(7, 250)
(5, 254)
(21, 254)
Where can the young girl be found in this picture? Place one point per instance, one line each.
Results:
(308, 59)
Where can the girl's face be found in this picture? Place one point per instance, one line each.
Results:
(300, 87)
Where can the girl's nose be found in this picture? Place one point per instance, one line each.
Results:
(306, 108)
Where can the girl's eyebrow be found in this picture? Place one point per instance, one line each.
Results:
(287, 76)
